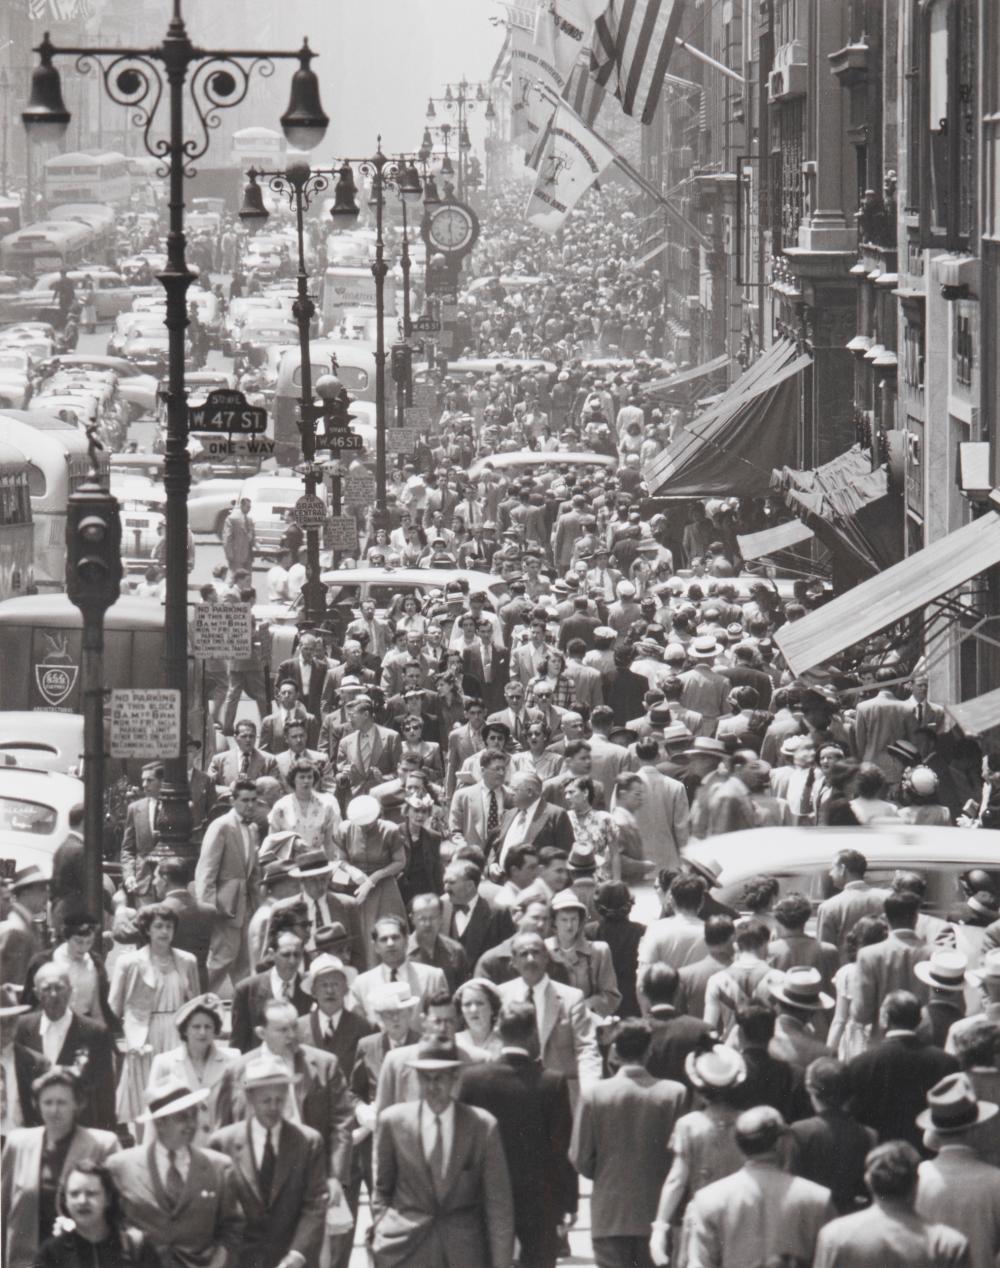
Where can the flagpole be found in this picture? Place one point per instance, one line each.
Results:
(710, 61)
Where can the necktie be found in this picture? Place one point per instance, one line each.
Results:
(175, 1181)
(286, 990)
(394, 975)
(920, 715)
(493, 814)
(267, 1165)
(245, 764)
(805, 804)
(436, 1159)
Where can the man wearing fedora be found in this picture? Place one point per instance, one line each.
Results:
(703, 689)
(760, 1211)
(329, 1024)
(315, 874)
(185, 1199)
(280, 1172)
(226, 878)
(945, 974)
(282, 981)
(890, 1232)
(389, 937)
(957, 1186)
(442, 1192)
(800, 999)
(20, 932)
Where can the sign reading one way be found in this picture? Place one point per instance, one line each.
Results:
(222, 631)
(145, 722)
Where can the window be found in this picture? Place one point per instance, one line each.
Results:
(913, 356)
(964, 346)
(952, 53)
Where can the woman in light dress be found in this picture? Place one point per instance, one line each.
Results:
(375, 855)
(200, 1060)
(848, 1038)
(478, 1001)
(535, 758)
(148, 987)
(313, 816)
(593, 829)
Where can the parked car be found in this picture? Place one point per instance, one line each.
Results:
(35, 806)
(352, 585)
(42, 740)
(137, 389)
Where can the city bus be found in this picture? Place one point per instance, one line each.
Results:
(88, 178)
(352, 362)
(17, 529)
(46, 245)
(58, 463)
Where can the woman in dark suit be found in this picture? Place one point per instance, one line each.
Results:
(92, 1232)
(424, 872)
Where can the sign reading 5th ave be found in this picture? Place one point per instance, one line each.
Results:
(228, 412)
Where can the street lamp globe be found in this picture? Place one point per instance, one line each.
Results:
(253, 213)
(345, 196)
(304, 123)
(328, 387)
(431, 196)
(409, 183)
(46, 116)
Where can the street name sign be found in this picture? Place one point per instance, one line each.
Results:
(227, 412)
(427, 325)
(222, 631)
(145, 722)
(340, 438)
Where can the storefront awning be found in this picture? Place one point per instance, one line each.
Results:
(770, 540)
(733, 446)
(885, 599)
(978, 715)
(716, 366)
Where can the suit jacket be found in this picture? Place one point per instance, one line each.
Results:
(884, 967)
(890, 1238)
(960, 1189)
(692, 981)
(371, 1054)
(312, 699)
(565, 1030)
(618, 1142)
(758, 1212)
(224, 878)
(382, 761)
(20, 943)
(379, 642)
(673, 1036)
(524, 662)
(467, 816)
(580, 625)
(879, 722)
(550, 825)
(532, 1109)
(272, 729)
(496, 965)
(838, 915)
(88, 1047)
(195, 923)
(890, 1081)
(468, 1221)
(447, 955)
(463, 742)
(607, 762)
(830, 1149)
(202, 797)
(587, 684)
(324, 1103)
(324, 775)
(249, 999)
(137, 847)
(224, 768)
(351, 1029)
(207, 1216)
(19, 1177)
(484, 929)
(294, 1215)
(398, 1081)
(518, 724)
(423, 980)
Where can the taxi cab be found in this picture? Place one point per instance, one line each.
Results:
(141, 515)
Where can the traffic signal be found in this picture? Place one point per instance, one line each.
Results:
(401, 360)
(93, 547)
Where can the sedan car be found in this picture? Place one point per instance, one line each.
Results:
(142, 502)
(137, 389)
(35, 808)
(210, 501)
(41, 740)
(273, 499)
(381, 585)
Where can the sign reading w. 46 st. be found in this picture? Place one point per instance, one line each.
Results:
(227, 411)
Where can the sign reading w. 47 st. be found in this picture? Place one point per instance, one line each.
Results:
(227, 411)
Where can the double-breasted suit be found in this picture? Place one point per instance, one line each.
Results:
(88, 1048)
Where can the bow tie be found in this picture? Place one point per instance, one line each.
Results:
(462, 907)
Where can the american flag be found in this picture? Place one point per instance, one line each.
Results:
(633, 41)
(583, 93)
(60, 10)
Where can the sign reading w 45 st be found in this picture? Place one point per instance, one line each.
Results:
(227, 411)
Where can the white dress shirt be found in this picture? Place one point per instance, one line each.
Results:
(305, 673)
(328, 1022)
(428, 1131)
(182, 1160)
(517, 834)
(462, 918)
(53, 1035)
(258, 1135)
(278, 987)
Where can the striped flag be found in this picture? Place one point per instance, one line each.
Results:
(570, 159)
(583, 93)
(633, 42)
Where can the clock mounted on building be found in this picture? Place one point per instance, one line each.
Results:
(451, 228)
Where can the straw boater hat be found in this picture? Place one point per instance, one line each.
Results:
(952, 1106)
(432, 1057)
(945, 970)
(720, 1067)
(703, 648)
(311, 866)
(267, 1071)
(171, 1096)
(391, 996)
(800, 988)
(705, 746)
(321, 966)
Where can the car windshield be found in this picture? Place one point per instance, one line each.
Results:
(27, 816)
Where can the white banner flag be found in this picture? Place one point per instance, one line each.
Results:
(534, 80)
(571, 158)
(565, 29)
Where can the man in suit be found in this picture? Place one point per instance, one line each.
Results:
(890, 1231)
(621, 1124)
(20, 933)
(296, 733)
(464, 741)
(515, 716)
(369, 754)
(308, 671)
(928, 719)
(673, 1035)
(565, 1027)
(532, 1109)
(280, 1171)
(329, 1024)
(379, 632)
(200, 788)
(246, 761)
(389, 937)
(352, 667)
(195, 920)
(287, 708)
(880, 721)
(800, 1001)
(429, 945)
(226, 878)
(760, 1211)
(467, 917)
(890, 1081)
(579, 629)
(588, 691)
(442, 1192)
(693, 979)
(479, 812)
(185, 1199)
(57, 1036)
(838, 915)
(282, 981)
(139, 839)
(607, 760)
(527, 659)
(537, 821)
(888, 966)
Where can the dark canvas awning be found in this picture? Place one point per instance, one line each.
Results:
(906, 587)
(684, 378)
(732, 448)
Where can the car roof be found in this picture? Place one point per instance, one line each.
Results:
(432, 578)
(541, 458)
(764, 850)
(33, 784)
(58, 737)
